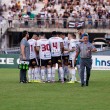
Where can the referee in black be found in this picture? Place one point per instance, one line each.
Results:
(85, 50)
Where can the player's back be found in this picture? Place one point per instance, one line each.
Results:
(33, 44)
(55, 44)
(72, 44)
(44, 52)
(65, 42)
(66, 45)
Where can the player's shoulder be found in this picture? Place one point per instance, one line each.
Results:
(43, 40)
(31, 40)
(66, 38)
(60, 39)
(53, 38)
(50, 38)
(73, 40)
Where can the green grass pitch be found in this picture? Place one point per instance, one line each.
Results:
(16, 96)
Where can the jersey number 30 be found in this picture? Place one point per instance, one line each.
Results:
(45, 47)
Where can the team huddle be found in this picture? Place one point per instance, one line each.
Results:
(46, 53)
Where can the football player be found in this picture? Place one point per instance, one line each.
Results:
(33, 73)
(43, 47)
(56, 44)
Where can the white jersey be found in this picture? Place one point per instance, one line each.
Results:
(44, 52)
(33, 44)
(55, 46)
(72, 44)
(66, 45)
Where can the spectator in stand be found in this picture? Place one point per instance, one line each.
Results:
(84, 10)
(18, 5)
(29, 10)
(89, 18)
(10, 19)
(65, 16)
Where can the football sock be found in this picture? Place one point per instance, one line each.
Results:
(73, 72)
(33, 71)
(30, 74)
(66, 72)
(49, 74)
(61, 73)
(53, 73)
(36, 74)
(43, 74)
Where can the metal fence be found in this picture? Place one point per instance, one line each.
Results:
(62, 23)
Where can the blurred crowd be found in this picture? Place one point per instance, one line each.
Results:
(58, 13)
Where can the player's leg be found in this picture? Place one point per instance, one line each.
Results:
(30, 77)
(49, 71)
(46, 77)
(39, 69)
(53, 68)
(36, 74)
(65, 66)
(72, 72)
(43, 76)
(61, 71)
(59, 77)
(78, 69)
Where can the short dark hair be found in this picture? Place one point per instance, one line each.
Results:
(79, 28)
(53, 33)
(24, 33)
(36, 34)
(41, 34)
(73, 35)
(61, 33)
(85, 34)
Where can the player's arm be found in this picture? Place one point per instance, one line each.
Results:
(73, 47)
(65, 49)
(37, 48)
(62, 47)
(81, 40)
(23, 52)
(77, 53)
(72, 50)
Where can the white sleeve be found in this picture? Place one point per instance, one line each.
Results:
(38, 43)
(77, 40)
(73, 44)
(35, 44)
(61, 40)
(49, 40)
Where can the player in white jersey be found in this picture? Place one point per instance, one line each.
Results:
(33, 73)
(65, 56)
(56, 44)
(72, 53)
(43, 47)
